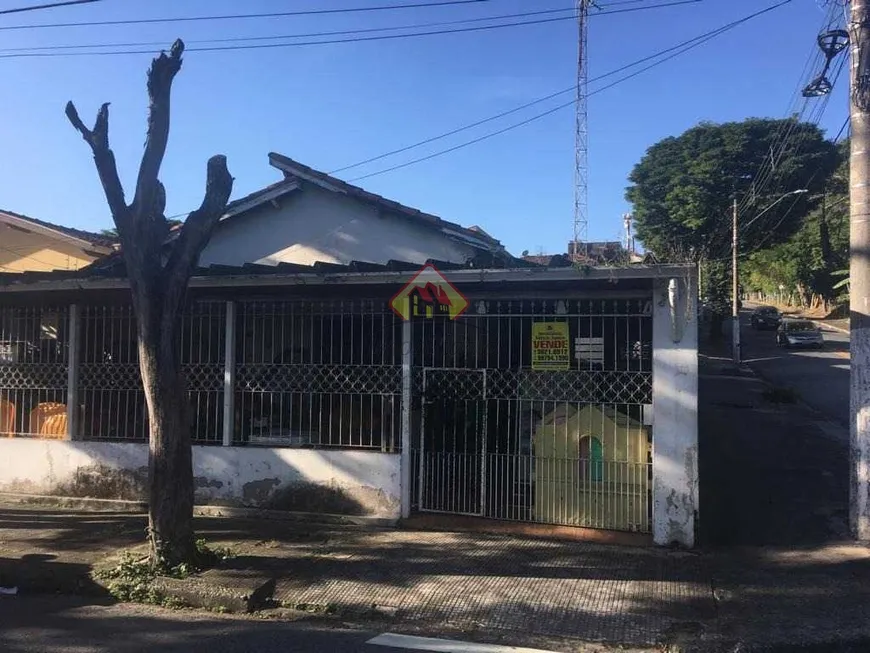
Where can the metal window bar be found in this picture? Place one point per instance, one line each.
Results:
(110, 384)
(34, 355)
(318, 374)
(507, 441)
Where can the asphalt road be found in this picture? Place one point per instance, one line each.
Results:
(65, 624)
(53, 624)
(820, 377)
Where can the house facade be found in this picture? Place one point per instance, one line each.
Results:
(326, 373)
(308, 392)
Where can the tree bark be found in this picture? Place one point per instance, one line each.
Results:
(170, 464)
(158, 284)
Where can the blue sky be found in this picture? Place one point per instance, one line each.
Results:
(332, 105)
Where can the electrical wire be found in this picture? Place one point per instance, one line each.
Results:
(383, 37)
(569, 89)
(685, 47)
(234, 39)
(273, 14)
(51, 5)
(846, 123)
(782, 139)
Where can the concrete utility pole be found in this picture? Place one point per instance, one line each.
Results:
(735, 309)
(859, 271)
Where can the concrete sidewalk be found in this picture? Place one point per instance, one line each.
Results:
(486, 586)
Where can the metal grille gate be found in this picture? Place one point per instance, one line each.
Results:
(495, 437)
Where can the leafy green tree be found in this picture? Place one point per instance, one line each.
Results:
(683, 187)
(813, 254)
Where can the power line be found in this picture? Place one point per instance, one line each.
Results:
(274, 14)
(782, 139)
(232, 39)
(686, 46)
(842, 129)
(384, 37)
(564, 91)
(50, 5)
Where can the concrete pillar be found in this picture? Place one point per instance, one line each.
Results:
(406, 419)
(229, 375)
(73, 409)
(675, 411)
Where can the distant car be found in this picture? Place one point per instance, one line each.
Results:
(799, 333)
(765, 317)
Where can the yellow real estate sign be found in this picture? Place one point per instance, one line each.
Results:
(550, 348)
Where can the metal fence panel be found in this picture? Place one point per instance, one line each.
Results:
(318, 374)
(110, 384)
(564, 445)
(34, 356)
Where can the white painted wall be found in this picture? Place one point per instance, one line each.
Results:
(313, 224)
(675, 413)
(354, 482)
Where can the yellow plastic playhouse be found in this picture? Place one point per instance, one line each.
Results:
(592, 465)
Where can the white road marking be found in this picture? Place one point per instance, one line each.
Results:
(444, 645)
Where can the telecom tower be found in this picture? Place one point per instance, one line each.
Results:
(581, 217)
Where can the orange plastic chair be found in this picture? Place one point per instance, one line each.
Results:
(48, 420)
(7, 419)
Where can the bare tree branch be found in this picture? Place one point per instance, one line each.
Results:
(160, 75)
(98, 140)
(197, 230)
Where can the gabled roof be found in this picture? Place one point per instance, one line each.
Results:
(67, 233)
(293, 170)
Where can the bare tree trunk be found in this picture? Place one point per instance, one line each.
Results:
(159, 274)
(170, 464)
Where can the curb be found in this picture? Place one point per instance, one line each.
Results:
(207, 590)
(287, 515)
(141, 507)
(75, 503)
(831, 327)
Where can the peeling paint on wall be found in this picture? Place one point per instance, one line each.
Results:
(675, 424)
(341, 482)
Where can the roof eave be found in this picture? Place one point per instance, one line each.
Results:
(34, 227)
(520, 275)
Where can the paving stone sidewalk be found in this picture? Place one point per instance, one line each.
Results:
(561, 589)
(463, 581)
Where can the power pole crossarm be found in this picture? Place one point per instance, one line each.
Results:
(859, 271)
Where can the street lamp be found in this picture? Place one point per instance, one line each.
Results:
(735, 314)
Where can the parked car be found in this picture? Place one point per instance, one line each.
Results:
(799, 333)
(765, 317)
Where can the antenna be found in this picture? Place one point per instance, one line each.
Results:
(581, 217)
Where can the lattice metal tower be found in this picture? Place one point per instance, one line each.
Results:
(581, 217)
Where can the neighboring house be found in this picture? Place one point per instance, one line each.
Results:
(31, 245)
(591, 253)
(311, 217)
